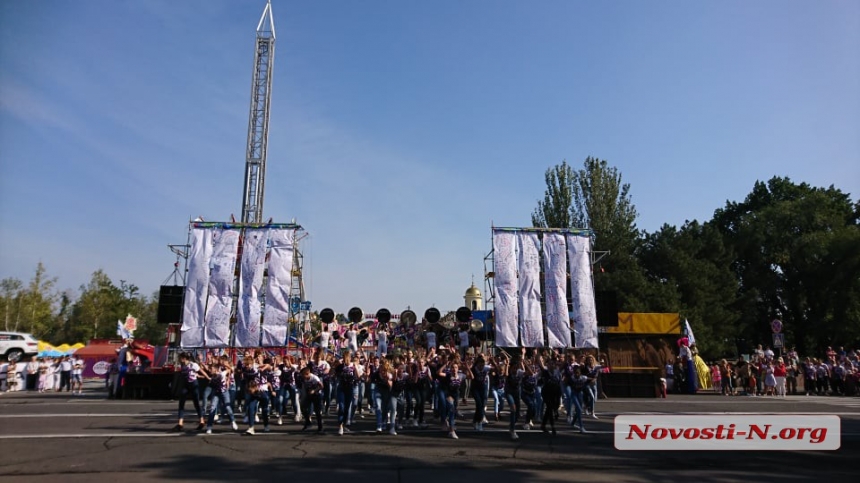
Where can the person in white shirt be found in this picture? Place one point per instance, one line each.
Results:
(352, 339)
(65, 374)
(325, 338)
(77, 376)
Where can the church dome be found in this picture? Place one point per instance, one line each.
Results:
(473, 291)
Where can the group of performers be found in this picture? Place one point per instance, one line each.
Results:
(399, 390)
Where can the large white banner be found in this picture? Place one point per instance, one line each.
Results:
(531, 318)
(196, 287)
(584, 314)
(555, 283)
(507, 309)
(250, 282)
(277, 312)
(221, 279)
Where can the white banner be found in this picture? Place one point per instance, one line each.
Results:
(505, 266)
(531, 318)
(196, 287)
(584, 315)
(250, 282)
(277, 312)
(221, 287)
(555, 283)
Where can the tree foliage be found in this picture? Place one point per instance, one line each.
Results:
(788, 251)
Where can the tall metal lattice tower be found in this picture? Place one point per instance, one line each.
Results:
(258, 122)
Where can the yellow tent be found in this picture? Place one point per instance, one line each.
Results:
(44, 346)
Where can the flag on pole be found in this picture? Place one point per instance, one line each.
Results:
(689, 332)
(121, 331)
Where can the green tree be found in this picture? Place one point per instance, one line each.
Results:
(96, 311)
(688, 271)
(797, 261)
(595, 197)
(10, 302)
(556, 209)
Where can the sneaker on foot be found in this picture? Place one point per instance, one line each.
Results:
(453, 435)
(235, 426)
(340, 430)
(527, 426)
(208, 430)
(178, 427)
(266, 428)
(280, 421)
(514, 435)
(594, 416)
(392, 431)
(250, 431)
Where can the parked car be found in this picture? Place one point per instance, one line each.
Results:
(17, 346)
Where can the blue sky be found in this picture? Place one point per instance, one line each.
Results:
(401, 130)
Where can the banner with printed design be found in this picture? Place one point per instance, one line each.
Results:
(506, 305)
(584, 314)
(531, 316)
(555, 283)
(247, 330)
(277, 312)
(196, 288)
(221, 279)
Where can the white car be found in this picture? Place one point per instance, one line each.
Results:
(17, 346)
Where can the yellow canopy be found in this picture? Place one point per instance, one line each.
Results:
(629, 323)
(44, 346)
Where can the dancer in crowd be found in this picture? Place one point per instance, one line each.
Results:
(451, 379)
(479, 374)
(312, 387)
(592, 372)
(513, 375)
(578, 384)
(348, 374)
(220, 381)
(551, 392)
(189, 371)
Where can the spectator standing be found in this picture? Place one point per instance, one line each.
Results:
(65, 374)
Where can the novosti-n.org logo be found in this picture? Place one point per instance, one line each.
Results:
(732, 432)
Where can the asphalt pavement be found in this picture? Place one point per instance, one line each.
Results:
(60, 437)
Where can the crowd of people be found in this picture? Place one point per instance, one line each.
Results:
(835, 373)
(414, 388)
(44, 374)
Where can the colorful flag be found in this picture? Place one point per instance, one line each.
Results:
(689, 331)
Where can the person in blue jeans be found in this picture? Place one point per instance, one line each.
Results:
(348, 375)
(578, 383)
(189, 372)
(384, 380)
(513, 374)
(219, 383)
(451, 379)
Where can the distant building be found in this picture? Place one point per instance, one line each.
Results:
(473, 298)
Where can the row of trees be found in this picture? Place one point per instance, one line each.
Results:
(68, 317)
(788, 251)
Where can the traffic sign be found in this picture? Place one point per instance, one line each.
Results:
(778, 341)
(295, 303)
(306, 305)
(776, 326)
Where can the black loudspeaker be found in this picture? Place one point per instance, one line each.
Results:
(432, 315)
(327, 315)
(463, 314)
(355, 315)
(170, 304)
(383, 316)
(606, 303)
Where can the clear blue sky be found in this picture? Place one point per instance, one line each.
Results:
(401, 130)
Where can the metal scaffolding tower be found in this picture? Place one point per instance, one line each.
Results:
(258, 122)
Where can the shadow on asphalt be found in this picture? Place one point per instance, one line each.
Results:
(329, 457)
